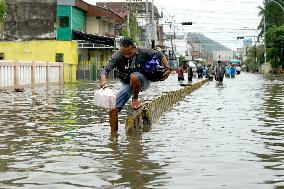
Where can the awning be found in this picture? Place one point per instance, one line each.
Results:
(235, 61)
(98, 39)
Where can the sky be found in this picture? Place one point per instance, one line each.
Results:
(220, 20)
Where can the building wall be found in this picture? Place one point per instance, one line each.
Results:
(223, 55)
(66, 2)
(76, 21)
(92, 25)
(106, 27)
(44, 50)
(30, 20)
(99, 26)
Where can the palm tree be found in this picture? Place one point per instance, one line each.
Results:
(261, 24)
(273, 15)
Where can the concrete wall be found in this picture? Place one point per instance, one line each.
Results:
(43, 50)
(223, 55)
(17, 74)
(99, 26)
(265, 68)
(66, 2)
(92, 25)
(30, 20)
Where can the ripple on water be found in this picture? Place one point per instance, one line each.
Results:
(226, 135)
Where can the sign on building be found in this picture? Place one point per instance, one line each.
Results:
(248, 42)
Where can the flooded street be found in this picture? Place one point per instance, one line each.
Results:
(220, 136)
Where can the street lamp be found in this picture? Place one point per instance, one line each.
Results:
(277, 4)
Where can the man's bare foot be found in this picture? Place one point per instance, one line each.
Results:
(135, 103)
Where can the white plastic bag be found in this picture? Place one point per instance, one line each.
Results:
(104, 98)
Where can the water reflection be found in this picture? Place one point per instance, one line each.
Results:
(136, 170)
(55, 138)
(272, 131)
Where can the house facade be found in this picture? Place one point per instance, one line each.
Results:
(151, 29)
(73, 32)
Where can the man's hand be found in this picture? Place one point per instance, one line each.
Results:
(169, 69)
(103, 81)
(166, 74)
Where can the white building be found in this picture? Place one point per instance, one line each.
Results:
(222, 55)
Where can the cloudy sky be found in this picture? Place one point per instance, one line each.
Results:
(220, 20)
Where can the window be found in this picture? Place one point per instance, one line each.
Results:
(64, 21)
(1, 56)
(59, 57)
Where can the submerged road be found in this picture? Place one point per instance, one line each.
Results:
(220, 136)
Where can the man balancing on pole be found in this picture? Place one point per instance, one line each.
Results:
(129, 61)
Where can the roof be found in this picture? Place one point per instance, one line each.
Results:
(235, 60)
(93, 10)
(121, 7)
(104, 12)
(104, 40)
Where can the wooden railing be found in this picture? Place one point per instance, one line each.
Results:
(17, 74)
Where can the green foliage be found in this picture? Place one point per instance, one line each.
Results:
(273, 15)
(134, 29)
(250, 61)
(274, 31)
(181, 60)
(275, 35)
(260, 54)
(3, 10)
(275, 44)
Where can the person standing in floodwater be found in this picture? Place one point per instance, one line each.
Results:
(220, 72)
(189, 73)
(180, 71)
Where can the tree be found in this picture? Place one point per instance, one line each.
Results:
(250, 63)
(274, 31)
(3, 10)
(133, 23)
(273, 15)
(275, 45)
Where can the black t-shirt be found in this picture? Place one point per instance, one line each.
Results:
(118, 61)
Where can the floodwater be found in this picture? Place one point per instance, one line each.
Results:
(220, 136)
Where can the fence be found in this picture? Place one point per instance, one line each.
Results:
(16, 74)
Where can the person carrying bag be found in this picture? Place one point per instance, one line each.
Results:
(129, 62)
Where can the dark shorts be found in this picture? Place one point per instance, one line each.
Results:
(180, 78)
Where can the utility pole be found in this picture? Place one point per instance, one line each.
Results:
(147, 24)
(172, 46)
(254, 54)
(264, 25)
(278, 4)
(128, 17)
(153, 25)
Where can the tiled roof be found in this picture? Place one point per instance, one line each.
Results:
(120, 7)
(104, 12)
